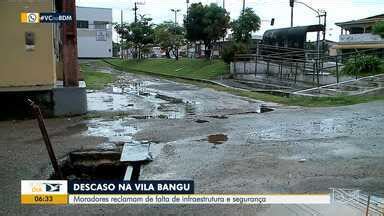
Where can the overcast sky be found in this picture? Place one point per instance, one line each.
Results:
(338, 11)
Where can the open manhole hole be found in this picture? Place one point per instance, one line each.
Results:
(218, 116)
(217, 139)
(200, 121)
(92, 164)
(264, 108)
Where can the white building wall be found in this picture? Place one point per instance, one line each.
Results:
(94, 42)
(362, 38)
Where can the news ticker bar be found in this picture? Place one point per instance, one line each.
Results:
(45, 17)
(146, 192)
(169, 199)
(194, 199)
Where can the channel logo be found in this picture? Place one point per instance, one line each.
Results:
(46, 17)
(44, 192)
(52, 187)
(30, 17)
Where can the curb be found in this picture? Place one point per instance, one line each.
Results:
(178, 77)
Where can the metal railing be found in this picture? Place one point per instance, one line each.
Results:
(296, 65)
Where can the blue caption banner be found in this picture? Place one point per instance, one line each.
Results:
(55, 17)
(130, 187)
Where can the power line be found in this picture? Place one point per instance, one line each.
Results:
(284, 3)
(253, 2)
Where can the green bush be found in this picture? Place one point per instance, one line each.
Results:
(362, 64)
(378, 28)
(233, 49)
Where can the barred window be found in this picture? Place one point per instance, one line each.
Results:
(82, 24)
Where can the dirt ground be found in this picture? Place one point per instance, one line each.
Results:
(216, 139)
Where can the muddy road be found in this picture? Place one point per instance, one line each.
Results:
(220, 141)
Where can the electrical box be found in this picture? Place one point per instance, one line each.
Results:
(30, 41)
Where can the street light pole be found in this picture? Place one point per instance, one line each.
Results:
(121, 38)
(187, 23)
(175, 11)
(177, 49)
(291, 4)
(318, 33)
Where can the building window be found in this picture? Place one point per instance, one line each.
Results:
(82, 24)
(100, 24)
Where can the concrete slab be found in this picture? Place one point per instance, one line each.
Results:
(70, 101)
(371, 85)
(136, 153)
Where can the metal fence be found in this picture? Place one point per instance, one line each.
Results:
(295, 66)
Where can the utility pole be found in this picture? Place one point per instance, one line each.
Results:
(325, 28)
(187, 8)
(121, 17)
(135, 10)
(243, 6)
(121, 37)
(222, 45)
(187, 23)
(291, 4)
(69, 38)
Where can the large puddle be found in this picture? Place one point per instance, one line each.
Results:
(138, 100)
(117, 131)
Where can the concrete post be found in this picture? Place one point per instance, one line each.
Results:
(69, 33)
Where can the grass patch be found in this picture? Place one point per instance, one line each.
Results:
(189, 68)
(94, 79)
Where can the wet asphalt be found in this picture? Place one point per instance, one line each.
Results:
(216, 139)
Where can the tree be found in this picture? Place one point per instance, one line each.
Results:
(206, 23)
(243, 27)
(233, 49)
(140, 33)
(362, 64)
(169, 37)
(378, 28)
